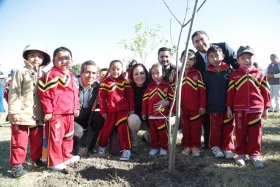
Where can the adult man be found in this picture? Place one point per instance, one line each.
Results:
(273, 75)
(88, 88)
(164, 59)
(201, 42)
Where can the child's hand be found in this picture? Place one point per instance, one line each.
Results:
(15, 117)
(77, 113)
(202, 111)
(163, 103)
(144, 117)
(265, 113)
(48, 117)
(229, 113)
(105, 115)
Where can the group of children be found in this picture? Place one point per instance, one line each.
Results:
(52, 98)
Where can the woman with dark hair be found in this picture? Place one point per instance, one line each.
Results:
(139, 81)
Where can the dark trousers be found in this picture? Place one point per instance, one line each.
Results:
(206, 128)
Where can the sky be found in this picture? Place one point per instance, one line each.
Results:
(92, 29)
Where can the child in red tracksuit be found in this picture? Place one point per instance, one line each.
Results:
(157, 91)
(193, 103)
(248, 95)
(216, 79)
(58, 92)
(116, 102)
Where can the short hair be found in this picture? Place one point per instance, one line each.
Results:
(87, 63)
(130, 63)
(164, 49)
(61, 49)
(191, 52)
(148, 79)
(214, 49)
(115, 61)
(162, 68)
(197, 33)
(256, 65)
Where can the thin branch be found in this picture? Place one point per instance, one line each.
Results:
(172, 12)
(186, 12)
(196, 11)
(170, 33)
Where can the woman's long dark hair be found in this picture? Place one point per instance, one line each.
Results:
(148, 80)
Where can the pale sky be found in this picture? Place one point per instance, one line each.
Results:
(92, 29)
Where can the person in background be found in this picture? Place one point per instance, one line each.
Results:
(273, 75)
(2, 88)
(248, 96)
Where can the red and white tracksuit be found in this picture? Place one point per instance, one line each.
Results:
(58, 92)
(157, 120)
(193, 97)
(116, 99)
(248, 93)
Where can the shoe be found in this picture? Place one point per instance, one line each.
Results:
(195, 152)
(228, 154)
(39, 164)
(153, 152)
(58, 167)
(217, 152)
(125, 155)
(205, 146)
(101, 151)
(18, 172)
(162, 152)
(256, 162)
(72, 160)
(186, 151)
(240, 160)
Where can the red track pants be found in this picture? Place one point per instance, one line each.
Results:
(191, 122)
(19, 143)
(118, 119)
(59, 135)
(248, 132)
(159, 137)
(221, 131)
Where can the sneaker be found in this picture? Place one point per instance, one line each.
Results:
(186, 151)
(72, 160)
(228, 154)
(101, 151)
(256, 162)
(217, 152)
(18, 172)
(58, 167)
(125, 155)
(39, 164)
(195, 152)
(153, 152)
(163, 152)
(240, 160)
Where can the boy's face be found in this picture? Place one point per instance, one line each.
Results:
(246, 60)
(35, 58)
(157, 74)
(190, 61)
(116, 69)
(62, 60)
(215, 59)
(273, 59)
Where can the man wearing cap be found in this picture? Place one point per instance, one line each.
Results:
(273, 75)
(201, 42)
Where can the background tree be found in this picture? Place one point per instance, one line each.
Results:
(75, 69)
(146, 39)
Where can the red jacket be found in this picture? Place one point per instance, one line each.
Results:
(193, 93)
(248, 90)
(115, 95)
(58, 92)
(155, 93)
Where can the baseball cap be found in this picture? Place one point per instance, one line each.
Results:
(274, 55)
(245, 49)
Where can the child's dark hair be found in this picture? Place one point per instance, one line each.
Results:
(162, 68)
(115, 61)
(61, 49)
(191, 52)
(130, 63)
(214, 49)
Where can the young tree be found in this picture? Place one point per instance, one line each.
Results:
(75, 69)
(146, 39)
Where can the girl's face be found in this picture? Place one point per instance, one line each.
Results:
(246, 60)
(157, 74)
(62, 60)
(35, 58)
(139, 76)
(116, 69)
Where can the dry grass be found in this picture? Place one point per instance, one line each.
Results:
(143, 170)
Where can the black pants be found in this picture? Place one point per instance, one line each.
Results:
(206, 128)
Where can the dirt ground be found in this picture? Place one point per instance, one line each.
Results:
(144, 170)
